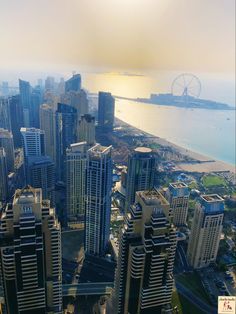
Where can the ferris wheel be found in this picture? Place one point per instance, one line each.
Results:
(186, 85)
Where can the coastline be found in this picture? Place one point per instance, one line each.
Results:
(200, 163)
(212, 106)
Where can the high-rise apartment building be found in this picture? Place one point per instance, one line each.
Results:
(98, 199)
(5, 121)
(106, 108)
(140, 174)
(41, 174)
(144, 275)
(40, 83)
(30, 255)
(61, 86)
(36, 101)
(5, 88)
(77, 100)
(3, 176)
(87, 129)
(73, 84)
(16, 115)
(19, 175)
(66, 134)
(51, 99)
(76, 161)
(6, 141)
(205, 231)
(47, 124)
(33, 142)
(50, 84)
(25, 100)
(178, 196)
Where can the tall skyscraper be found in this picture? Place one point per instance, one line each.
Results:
(5, 122)
(140, 175)
(25, 100)
(49, 83)
(47, 124)
(106, 108)
(77, 100)
(61, 86)
(30, 246)
(87, 129)
(5, 89)
(19, 175)
(36, 101)
(76, 160)
(73, 84)
(51, 99)
(6, 141)
(41, 174)
(33, 142)
(178, 196)
(3, 176)
(16, 115)
(98, 199)
(206, 231)
(144, 275)
(66, 130)
(40, 83)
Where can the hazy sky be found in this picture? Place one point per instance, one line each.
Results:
(195, 35)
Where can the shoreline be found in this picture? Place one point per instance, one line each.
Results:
(149, 101)
(200, 163)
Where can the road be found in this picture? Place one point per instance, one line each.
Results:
(97, 270)
(98, 288)
(183, 257)
(199, 303)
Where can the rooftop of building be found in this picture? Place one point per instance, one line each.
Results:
(31, 130)
(143, 150)
(5, 133)
(79, 144)
(27, 195)
(40, 160)
(178, 185)
(99, 149)
(87, 117)
(152, 197)
(104, 94)
(75, 76)
(212, 198)
(46, 107)
(79, 147)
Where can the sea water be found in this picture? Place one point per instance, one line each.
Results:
(209, 132)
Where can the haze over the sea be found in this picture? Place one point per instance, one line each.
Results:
(191, 36)
(155, 38)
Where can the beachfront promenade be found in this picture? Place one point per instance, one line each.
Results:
(186, 159)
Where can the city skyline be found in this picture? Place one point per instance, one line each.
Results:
(137, 222)
(117, 156)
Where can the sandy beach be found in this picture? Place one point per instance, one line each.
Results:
(199, 163)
